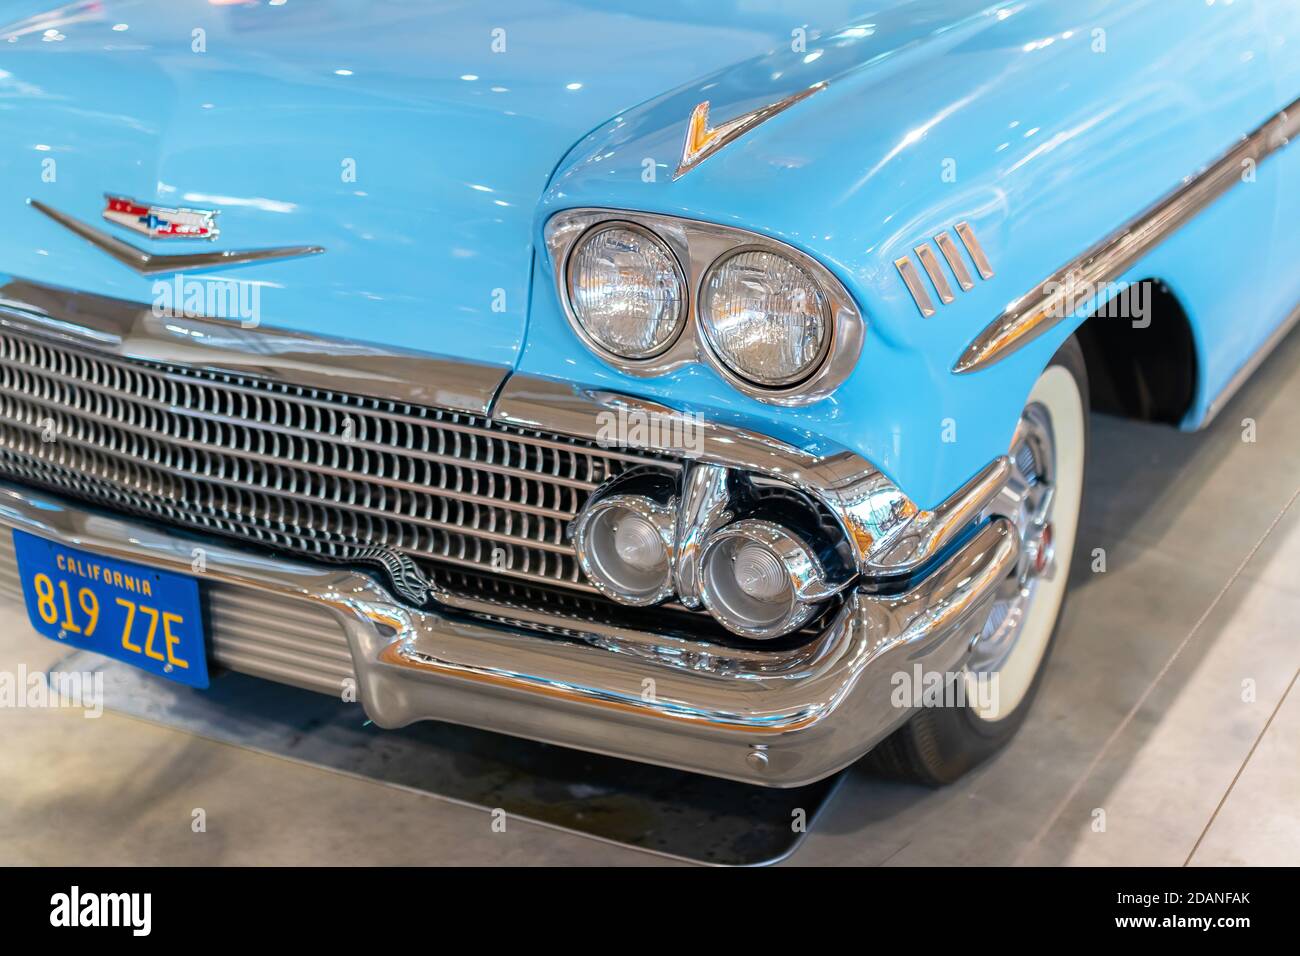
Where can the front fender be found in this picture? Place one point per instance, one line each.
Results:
(1021, 119)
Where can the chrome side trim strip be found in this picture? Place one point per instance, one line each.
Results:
(1244, 373)
(955, 261)
(931, 263)
(912, 279)
(1045, 306)
(148, 264)
(131, 330)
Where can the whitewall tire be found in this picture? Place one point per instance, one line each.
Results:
(1048, 452)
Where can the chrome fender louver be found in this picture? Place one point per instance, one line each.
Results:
(934, 269)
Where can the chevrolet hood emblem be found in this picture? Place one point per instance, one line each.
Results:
(148, 264)
(161, 222)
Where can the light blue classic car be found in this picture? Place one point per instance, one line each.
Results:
(703, 384)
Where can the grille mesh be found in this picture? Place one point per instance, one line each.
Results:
(306, 470)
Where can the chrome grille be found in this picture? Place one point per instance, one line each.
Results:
(299, 469)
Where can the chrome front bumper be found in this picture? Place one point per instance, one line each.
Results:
(766, 718)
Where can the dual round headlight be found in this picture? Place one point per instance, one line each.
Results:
(762, 315)
(627, 290)
(765, 317)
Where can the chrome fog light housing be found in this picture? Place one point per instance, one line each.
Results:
(761, 580)
(765, 317)
(625, 547)
(626, 290)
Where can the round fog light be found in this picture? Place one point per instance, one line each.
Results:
(760, 580)
(625, 547)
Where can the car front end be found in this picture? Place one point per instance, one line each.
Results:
(422, 555)
(531, 398)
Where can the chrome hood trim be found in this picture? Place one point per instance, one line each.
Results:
(132, 330)
(148, 264)
(702, 141)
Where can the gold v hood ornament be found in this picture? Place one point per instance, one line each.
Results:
(149, 264)
(703, 141)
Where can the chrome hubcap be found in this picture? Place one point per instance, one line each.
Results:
(1028, 500)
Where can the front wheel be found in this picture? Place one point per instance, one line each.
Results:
(1048, 452)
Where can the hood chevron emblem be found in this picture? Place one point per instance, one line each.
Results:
(703, 141)
(161, 222)
(148, 264)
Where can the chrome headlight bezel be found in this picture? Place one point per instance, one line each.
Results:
(699, 246)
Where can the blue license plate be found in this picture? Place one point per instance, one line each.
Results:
(140, 615)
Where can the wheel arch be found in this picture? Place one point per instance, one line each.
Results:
(1142, 361)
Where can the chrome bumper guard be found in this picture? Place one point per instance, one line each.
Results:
(771, 719)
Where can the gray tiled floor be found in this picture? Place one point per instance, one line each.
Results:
(1170, 713)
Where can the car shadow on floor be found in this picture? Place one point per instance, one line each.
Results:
(666, 811)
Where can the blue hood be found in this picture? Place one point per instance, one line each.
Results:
(391, 133)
